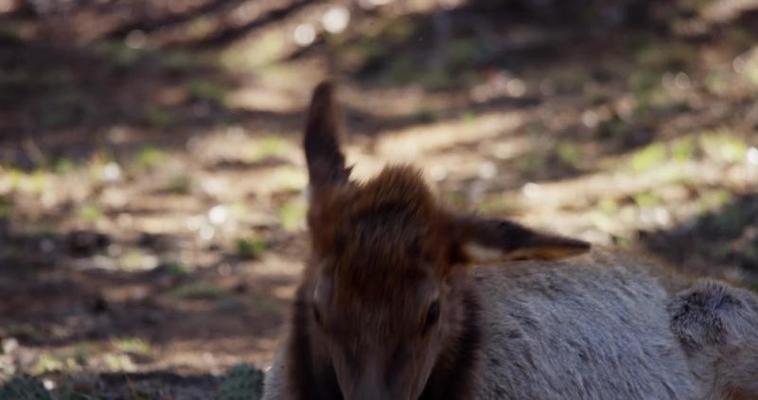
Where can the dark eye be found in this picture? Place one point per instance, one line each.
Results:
(432, 315)
(317, 315)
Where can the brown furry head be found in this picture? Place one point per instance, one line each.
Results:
(386, 293)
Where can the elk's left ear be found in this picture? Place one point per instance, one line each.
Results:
(486, 240)
(326, 163)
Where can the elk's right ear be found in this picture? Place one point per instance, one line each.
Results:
(326, 163)
(490, 240)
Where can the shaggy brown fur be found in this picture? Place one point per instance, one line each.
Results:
(384, 310)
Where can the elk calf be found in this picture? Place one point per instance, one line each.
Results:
(404, 299)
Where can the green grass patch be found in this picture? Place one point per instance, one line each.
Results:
(647, 199)
(132, 345)
(533, 164)
(38, 181)
(721, 146)
(173, 268)
(715, 199)
(684, 149)
(569, 153)
(289, 178)
(750, 69)
(33, 182)
(148, 158)
(90, 213)
(270, 146)
(292, 214)
(608, 206)
(6, 207)
(718, 146)
(48, 362)
(204, 89)
(118, 55)
(651, 156)
(119, 362)
(179, 184)
(249, 248)
(470, 118)
(63, 166)
(84, 351)
(158, 117)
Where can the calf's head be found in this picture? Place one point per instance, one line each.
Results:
(385, 287)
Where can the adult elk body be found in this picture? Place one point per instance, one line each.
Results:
(403, 299)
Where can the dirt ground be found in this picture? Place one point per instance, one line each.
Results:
(151, 178)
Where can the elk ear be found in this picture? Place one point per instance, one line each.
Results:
(326, 163)
(487, 240)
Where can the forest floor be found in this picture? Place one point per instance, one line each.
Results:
(151, 186)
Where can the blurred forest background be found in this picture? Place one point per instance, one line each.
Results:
(151, 207)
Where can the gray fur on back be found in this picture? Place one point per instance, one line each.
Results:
(600, 327)
(558, 331)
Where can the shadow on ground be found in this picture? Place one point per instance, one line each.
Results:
(727, 237)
